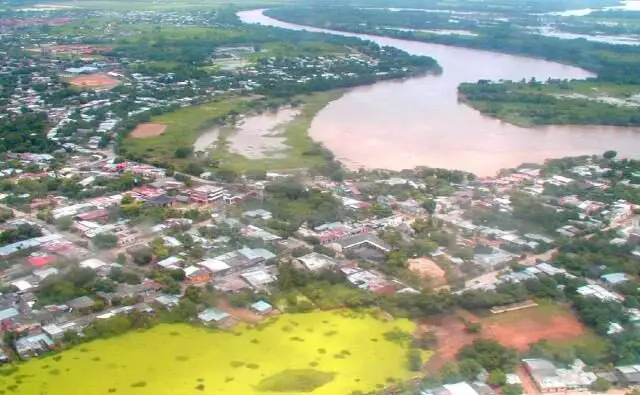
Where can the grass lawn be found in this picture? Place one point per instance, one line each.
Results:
(183, 127)
(330, 353)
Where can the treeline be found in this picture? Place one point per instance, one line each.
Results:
(520, 100)
(25, 132)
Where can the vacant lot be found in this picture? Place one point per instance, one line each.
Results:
(95, 81)
(517, 329)
(520, 328)
(148, 130)
(329, 353)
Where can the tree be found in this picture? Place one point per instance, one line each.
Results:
(141, 255)
(105, 241)
(609, 154)
(414, 360)
(497, 378)
(469, 369)
(183, 152)
(450, 373)
(512, 389)
(491, 355)
(127, 199)
(601, 385)
(194, 294)
(64, 223)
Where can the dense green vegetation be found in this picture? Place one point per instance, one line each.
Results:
(534, 103)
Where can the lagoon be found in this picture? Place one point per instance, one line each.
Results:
(347, 350)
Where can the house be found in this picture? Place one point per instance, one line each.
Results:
(93, 263)
(261, 307)
(258, 278)
(160, 201)
(168, 301)
(260, 213)
(83, 303)
(614, 279)
(196, 276)
(316, 261)
(212, 315)
(629, 374)
(8, 314)
(548, 378)
(206, 194)
(33, 345)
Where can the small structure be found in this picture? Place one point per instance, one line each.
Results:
(196, 276)
(212, 315)
(93, 263)
(261, 307)
(9, 313)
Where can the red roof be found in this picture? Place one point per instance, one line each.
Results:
(39, 261)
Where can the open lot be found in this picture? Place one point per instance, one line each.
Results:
(337, 352)
(94, 81)
(520, 328)
(517, 329)
(148, 130)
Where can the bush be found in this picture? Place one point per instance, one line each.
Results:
(104, 241)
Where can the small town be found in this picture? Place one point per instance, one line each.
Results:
(164, 202)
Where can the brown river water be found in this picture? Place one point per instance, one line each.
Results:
(419, 121)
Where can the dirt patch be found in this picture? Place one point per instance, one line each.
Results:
(239, 314)
(99, 81)
(427, 268)
(517, 329)
(451, 335)
(520, 328)
(148, 130)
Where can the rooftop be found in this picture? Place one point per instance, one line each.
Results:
(212, 314)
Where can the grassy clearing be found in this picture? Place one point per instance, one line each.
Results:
(336, 352)
(183, 127)
(300, 153)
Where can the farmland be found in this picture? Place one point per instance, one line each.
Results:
(334, 352)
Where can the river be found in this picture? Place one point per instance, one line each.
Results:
(419, 121)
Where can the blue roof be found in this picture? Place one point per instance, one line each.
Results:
(615, 278)
(261, 306)
(213, 315)
(8, 313)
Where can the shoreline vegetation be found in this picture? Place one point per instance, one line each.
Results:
(526, 103)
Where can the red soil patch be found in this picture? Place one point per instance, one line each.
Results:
(451, 336)
(521, 328)
(148, 130)
(95, 81)
(517, 329)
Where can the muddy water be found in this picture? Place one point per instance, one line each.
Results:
(419, 121)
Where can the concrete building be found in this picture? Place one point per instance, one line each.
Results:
(548, 378)
(206, 194)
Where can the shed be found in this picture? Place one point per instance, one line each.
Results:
(261, 307)
(614, 278)
(168, 301)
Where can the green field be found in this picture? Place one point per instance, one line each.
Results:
(325, 353)
(183, 127)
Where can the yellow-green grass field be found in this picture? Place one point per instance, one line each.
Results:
(322, 353)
